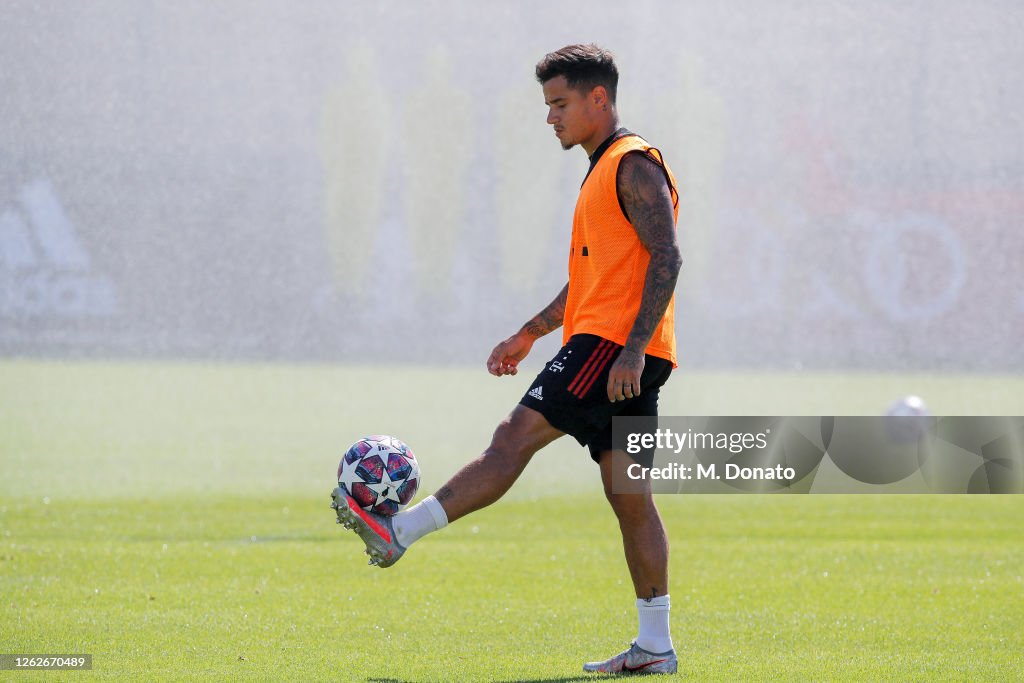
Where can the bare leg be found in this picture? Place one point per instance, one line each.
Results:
(486, 479)
(643, 536)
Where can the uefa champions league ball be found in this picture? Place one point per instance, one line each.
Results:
(380, 473)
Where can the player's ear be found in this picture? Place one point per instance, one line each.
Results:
(599, 96)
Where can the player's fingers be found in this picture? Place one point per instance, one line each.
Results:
(494, 361)
(505, 368)
(615, 390)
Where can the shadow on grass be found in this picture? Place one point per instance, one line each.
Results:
(570, 679)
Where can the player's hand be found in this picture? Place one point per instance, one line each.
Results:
(505, 357)
(624, 377)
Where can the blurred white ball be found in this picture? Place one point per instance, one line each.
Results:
(907, 419)
(908, 406)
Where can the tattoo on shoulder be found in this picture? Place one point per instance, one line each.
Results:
(645, 194)
(647, 200)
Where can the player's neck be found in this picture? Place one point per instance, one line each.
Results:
(602, 133)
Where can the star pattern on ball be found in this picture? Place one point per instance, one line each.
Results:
(387, 488)
(380, 473)
(349, 476)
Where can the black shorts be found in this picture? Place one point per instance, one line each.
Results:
(571, 392)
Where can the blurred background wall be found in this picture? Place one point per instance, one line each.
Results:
(369, 181)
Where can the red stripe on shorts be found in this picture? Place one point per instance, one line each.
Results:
(586, 366)
(598, 368)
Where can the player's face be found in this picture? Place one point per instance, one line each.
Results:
(572, 113)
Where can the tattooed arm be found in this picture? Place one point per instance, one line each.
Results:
(647, 200)
(505, 357)
(550, 318)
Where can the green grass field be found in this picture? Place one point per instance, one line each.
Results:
(173, 520)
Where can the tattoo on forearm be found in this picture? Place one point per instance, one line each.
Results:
(550, 318)
(648, 202)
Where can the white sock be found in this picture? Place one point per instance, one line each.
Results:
(654, 636)
(413, 524)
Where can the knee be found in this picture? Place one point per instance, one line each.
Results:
(629, 507)
(508, 446)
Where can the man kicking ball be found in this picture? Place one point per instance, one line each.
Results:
(617, 315)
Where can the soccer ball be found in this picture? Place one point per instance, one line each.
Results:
(908, 419)
(908, 406)
(380, 473)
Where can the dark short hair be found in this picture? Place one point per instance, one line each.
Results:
(584, 66)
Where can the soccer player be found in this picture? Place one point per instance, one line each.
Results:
(617, 316)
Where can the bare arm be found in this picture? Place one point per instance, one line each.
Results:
(505, 357)
(550, 318)
(647, 199)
